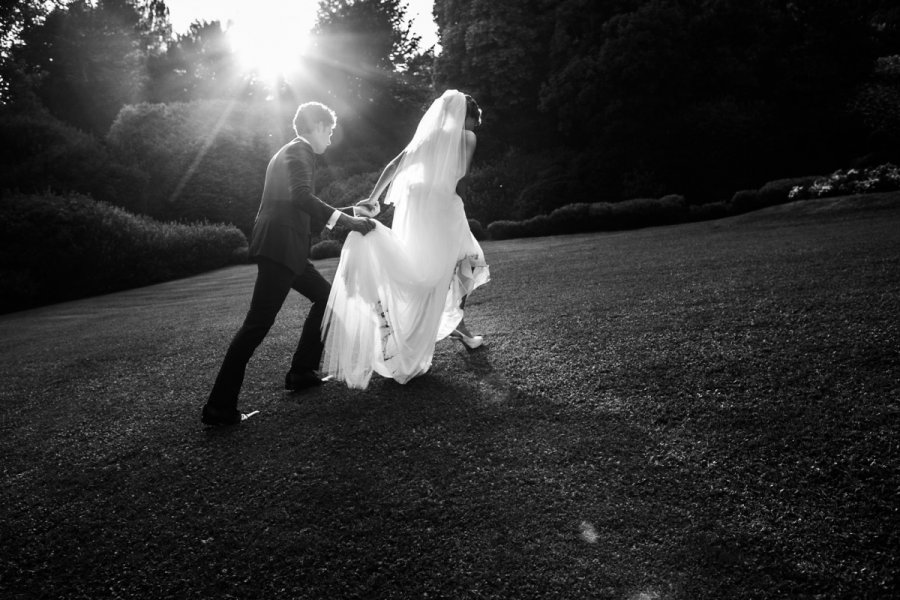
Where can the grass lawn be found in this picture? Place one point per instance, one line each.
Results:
(708, 410)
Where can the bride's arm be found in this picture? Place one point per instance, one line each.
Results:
(386, 177)
(470, 148)
(463, 184)
(370, 206)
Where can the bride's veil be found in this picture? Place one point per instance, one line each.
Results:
(432, 163)
(435, 157)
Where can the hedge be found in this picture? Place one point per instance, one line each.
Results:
(58, 248)
(597, 216)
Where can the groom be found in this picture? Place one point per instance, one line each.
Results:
(288, 215)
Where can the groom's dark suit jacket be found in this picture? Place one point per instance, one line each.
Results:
(289, 212)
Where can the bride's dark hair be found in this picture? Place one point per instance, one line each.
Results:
(472, 109)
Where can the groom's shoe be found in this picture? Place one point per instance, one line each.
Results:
(296, 381)
(220, 418)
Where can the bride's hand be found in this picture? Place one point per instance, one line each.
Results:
(367, 208)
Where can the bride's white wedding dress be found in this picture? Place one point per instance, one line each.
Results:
(397, 291)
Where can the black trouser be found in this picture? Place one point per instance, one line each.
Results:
(273, 282)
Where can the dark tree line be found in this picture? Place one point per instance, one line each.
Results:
(584, 100)
(83, 60)
(80, 77)
(638, 98)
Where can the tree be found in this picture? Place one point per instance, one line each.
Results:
(497, 51)
(366, 65)
(702, 98)
(198, 64)
(87, 61)
(154, 25)
(15, 17)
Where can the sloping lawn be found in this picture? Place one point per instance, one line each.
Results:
(702, 411)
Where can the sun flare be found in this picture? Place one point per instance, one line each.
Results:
(270, 37)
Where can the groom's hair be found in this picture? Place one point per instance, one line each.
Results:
(310, 114)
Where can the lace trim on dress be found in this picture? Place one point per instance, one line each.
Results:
(388, 338)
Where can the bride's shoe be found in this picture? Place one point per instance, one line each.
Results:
(469, 342)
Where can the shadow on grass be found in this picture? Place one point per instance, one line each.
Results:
(441, 487)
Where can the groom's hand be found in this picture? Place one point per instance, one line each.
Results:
(360, 224)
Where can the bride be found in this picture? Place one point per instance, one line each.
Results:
(399, 290)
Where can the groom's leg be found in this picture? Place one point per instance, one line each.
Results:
(311, 284)
(273, 282)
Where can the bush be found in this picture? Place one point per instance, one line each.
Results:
(744, 201)
(489, 197)
(884, 178)
(548, 192)
(772, 193)
(40, 153)
(670, 209)
(571, 218)
(517, 185)
(646, 212)
(582, 217)
(711, 210)
(505, 229)
(599, 212)
(60, 248)
(205, 159)
(345, 191)
(326, 249)
(477, 230)
(778, 191)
